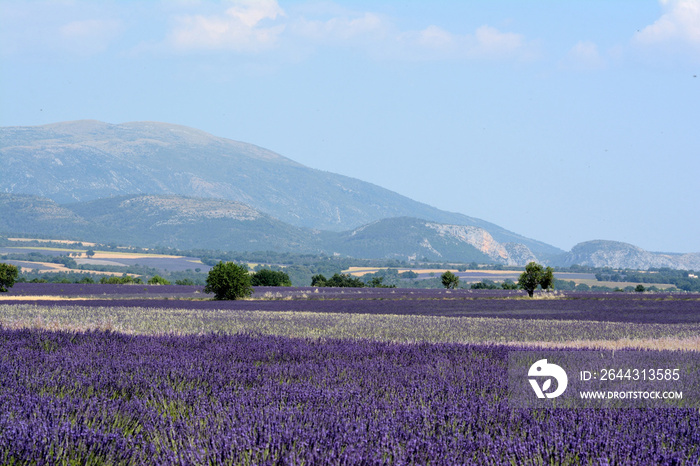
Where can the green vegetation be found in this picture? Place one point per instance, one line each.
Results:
(449, 280)
(301, 268)
(158, 280)
(8, 276)
(378, 282)
(123, 280)
(337, 280)
(267, 277)
(535, 275)
(684, 280)
(228, 281)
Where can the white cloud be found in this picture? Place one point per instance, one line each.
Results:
(679, 23)
(493, 42)
(257, 26)
(57, 28)
(435, 38)
(344, 29)
(89, 36)
(238, 28)
(486, 42)
(583, 56)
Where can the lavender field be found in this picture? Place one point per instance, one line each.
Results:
(663, 308)
(101, 397)
(131, 374)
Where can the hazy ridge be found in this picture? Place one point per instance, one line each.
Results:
(158, 184)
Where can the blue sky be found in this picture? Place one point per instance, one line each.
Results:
(562, 121)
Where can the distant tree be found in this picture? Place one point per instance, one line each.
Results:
(123, 280)
(530, 279)
(345, 281)
(158, 280)
(509, 285)
(484, 285)
(318, 280)
(337, 280)
(185, 282)
(640, 288)
(228, 281)
(378, 282)
(547, 280)
(449, 280)
(8, 276)
(90, 253)
(535, 275)
(268, 277)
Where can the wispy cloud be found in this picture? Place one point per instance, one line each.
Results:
(251, 27)
(69, 28)
(486, 42)
(89, 36)
(241, 27)
(583, 56)
(344, 30)
(257, 26)
(679, 25)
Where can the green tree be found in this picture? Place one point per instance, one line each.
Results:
(123, 280)
(639, 288)
(228, 281)
(158, 280)
(449, 280)
(530, 278)
(484, 285)
(8, 275)
(378, 282)
(547, 280)
(268, 277)
(535, 275)
(90, 253)
(509, 284)
(318, 280)
(345, 281)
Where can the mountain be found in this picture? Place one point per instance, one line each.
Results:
(33, 215)
(83, 161)
(148, 221)
(411, 238)
(600, 253)
(191, 223)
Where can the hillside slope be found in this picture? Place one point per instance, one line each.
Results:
(89, 160)
(195, 223)
(618, 255)
(410, 238)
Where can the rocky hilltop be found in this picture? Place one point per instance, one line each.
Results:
(618, 255)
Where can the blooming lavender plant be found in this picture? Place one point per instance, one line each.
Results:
(102, 397)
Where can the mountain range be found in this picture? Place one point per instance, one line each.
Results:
(157, 184)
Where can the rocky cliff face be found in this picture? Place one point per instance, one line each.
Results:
(506, 253)
(619, 255)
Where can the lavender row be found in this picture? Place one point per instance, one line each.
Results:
(666, 311)
(214, 399)
(181, 291)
